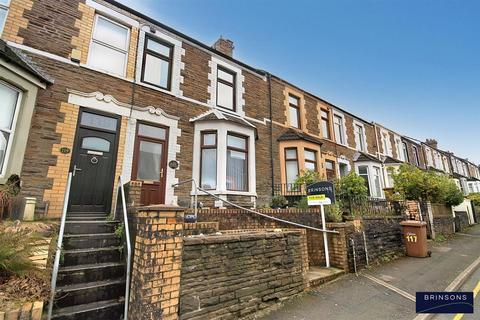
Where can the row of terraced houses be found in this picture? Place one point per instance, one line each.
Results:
(95, 88)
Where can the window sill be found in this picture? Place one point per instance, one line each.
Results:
(226, 192)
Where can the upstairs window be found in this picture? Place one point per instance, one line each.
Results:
(310, 159)
(339, 129)
(325, 124)
(109, 46)
(294, 111)
(405, 152)
(226, 88)
(386, 150)
(3, 13)
(415, 156)
(157, 63)
(9, 99)
(360, 137)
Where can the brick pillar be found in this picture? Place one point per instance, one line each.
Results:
(133, 192)
(157, 261)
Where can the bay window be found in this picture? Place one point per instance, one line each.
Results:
(237, 162)
(371, 172)
(310, 159)
(109, 46)
(157, 63)
(377, 184)
(363, 172)
(294, 111)
(226, 88)
(208, 161)
(291, 166)
(9, 99)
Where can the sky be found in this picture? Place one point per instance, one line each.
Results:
(410, 65)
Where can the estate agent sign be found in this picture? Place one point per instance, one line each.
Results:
(321, 193)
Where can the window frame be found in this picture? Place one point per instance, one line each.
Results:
(203, 147)
(246, 151)
(361, 137)
(286, 160)
(233, 85)
(160, 56)
(327, 120)
(11, 131)
(100, 42)
(405, 152)
(334, 170)
(416, 156)
(5, 7)
(341, 129)
(367, 175)
(297, 110)
(310, 161)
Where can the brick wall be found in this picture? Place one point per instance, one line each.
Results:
(443, 220)
(461, 221)
(156, 264)
(30, 311)
(232, 276)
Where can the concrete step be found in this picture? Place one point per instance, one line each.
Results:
(105, 310)
(83, 293)
(318, 275)
(86, 241)
(90, 273)
(90, 227)
(89, 256)
(87, 218)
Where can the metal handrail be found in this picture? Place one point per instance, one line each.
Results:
(58, 252)
(129, 247)
(197, 188)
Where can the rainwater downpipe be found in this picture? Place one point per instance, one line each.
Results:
(269, 77)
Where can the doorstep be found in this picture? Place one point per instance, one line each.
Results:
(320, 275)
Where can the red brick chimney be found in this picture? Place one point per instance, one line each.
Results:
(225, 46)
(432, 143)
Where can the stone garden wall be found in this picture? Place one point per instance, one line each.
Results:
(234, 275)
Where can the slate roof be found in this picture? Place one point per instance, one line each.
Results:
(16, 57)
(292, 134)
(390, 160)
(364, 157)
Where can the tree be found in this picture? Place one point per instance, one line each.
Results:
(307, 177)
(475, 197)
(414, 184)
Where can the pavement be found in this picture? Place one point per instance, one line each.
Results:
(386, 291)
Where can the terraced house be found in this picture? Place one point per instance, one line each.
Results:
(100, 90)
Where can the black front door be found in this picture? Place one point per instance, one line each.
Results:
(93, 162)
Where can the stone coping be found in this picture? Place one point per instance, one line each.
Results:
(30, 310)
(375, 218)
(158, 207)
(225, 238)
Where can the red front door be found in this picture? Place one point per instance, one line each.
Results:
(150, 162)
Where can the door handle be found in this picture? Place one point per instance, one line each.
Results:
(161, 173)
(75, 169)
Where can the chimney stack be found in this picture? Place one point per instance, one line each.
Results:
(432, 143)
(225, 46)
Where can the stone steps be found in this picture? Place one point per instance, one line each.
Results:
(317, 276)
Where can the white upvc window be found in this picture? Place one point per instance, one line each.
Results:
(3, 13)
(224, 158)
(372, 174)
(10, 98)
(339, 128)
(109, 46)
(360, 137)
(386, 145)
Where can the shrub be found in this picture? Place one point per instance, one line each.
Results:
(307, 177)
(333, 213)
(302, 203)
(279, 202)
(475, 197)
(351, 186)
(8, 191)
(15, 252)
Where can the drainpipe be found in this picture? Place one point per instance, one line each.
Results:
(269, 77)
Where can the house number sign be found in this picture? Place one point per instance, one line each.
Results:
(411, 237)
(64, 150)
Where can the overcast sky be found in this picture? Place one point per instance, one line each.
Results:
(411, 65)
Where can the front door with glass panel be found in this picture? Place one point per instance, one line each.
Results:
(93, 162)
(149, 162)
